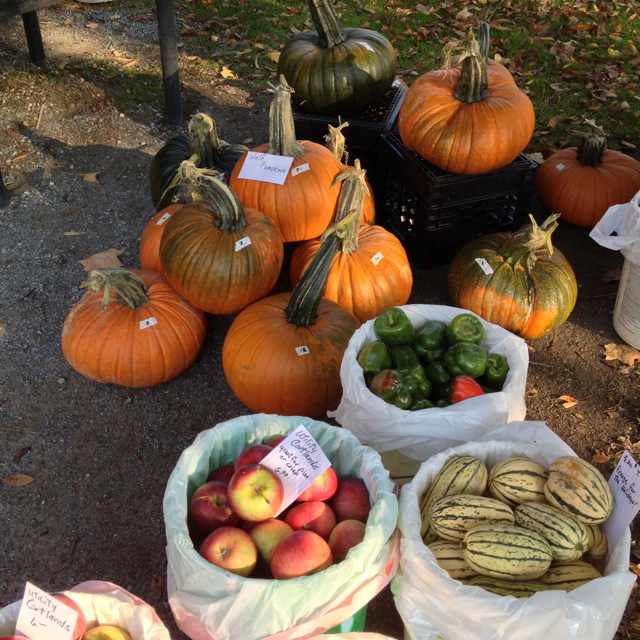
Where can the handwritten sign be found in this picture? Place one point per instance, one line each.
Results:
(43, 617)
(625, 486)
(265, 167)
(298, 460)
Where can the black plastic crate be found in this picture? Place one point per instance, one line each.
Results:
(434, 212)
(363, 135)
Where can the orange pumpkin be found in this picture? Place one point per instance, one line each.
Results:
(371, 271)
(131, 329)
(470, 119)
(282, 354)
(150, 240)
(582, 182)
(304, 206)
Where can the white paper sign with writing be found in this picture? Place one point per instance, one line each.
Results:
(43, 617)
(625, 486)
(298, 460)
(265, 167)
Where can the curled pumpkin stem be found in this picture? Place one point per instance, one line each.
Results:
(203, 138)
(129, 288)
(337, 143)
(350, 203)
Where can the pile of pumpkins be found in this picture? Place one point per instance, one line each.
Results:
(216, 244)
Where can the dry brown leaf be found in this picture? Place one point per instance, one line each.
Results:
(622, 352)
(18, 479)
(91, 177)
(92, 25)
(227, 73)
(70, 210)
(599, 457)
(20, 453)
(104, 498)
(102, 260)
(274, 56)
(22, 156)
(157, 588)
(73, 233)
(613, 275)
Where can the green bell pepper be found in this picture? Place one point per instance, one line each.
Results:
(373, 358)
(437, 373)
(496, 372)
(465, 327)
(424, 403)
(403, 357)
(466, 358)
(431, 336)
(394, 327)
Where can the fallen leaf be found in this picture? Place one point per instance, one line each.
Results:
(92, 25)
(70, 210)
(73, 233)
(104, 498)
(22, 156)
(102, 260)
(568, 399)
(274, 56)
(91, 177)
(227, 73)
(138, 458)
(622, 352)
(599, 457)
(18, 479)
(20, 453)
(157, 587)
(613, 275)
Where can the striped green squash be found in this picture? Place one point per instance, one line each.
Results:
(460, 474)
(598, 544)
(517, 480)
(579, 488)
(507, 552)
(568, 576)
(450, 557)
(566, 535)
(517, 589)
(452, 516)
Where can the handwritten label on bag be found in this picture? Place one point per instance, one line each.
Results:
(485, 266)
(43, 617)
(265, 167)
(298, 460)
(148, 322)
(242, 243)
(625, 486)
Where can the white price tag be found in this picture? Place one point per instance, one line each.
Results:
(148, 322)
(302, 351)
(242, 243)
(300, 169)
(625, 486)
(298, 460)
(484, 265)
(163, 219)
(265, 167)
(376, 259)
(559, 166)
(43, 617)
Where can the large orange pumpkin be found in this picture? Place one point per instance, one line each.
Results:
(131, 329)
(582, 182)
(282, 354)
(516, 280)
(303, 207)
(216, 253)
(371, 270)
(470, 119)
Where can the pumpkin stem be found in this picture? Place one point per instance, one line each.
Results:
(129, 288)
(591, 146)
(534, 236)
(282, 131)
(350, 201)
(201, 184)
(337, 143)
(307, 294)
(204, 140)
(473, 84)
(327, 23)
(484, 38)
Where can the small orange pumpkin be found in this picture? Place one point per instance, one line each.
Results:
(150, 240)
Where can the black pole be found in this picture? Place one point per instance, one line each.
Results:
(34, 37)
(4, 194)
(169, 58)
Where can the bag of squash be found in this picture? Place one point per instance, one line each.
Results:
(510, 549)
(421, 429)
(210, 603)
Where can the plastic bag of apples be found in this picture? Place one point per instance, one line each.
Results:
(211, 603)
(105, 610)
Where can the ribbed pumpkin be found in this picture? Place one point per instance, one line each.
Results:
(582, 182)
(371, 271)
(282, 354)
(517, 280)
(202, 145)
(150, 240)
(337, 144)
(131, 329)
(303, 207)
(216, 253)
(469, 119)
(335, 69)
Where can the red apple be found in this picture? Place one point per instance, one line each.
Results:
(345, 535)
(267, 534)
(274, 441)
(232, 549)
(299, 554)
(255, 492)
(209, 507)
(351, 500)
(315, 516)
(252, 455)
(222, 473)
(322, 488)
(81, 623)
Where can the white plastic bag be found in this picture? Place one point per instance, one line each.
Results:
(211, 604)
(420, 434)
(103, 603)
(433, 605)
(624, 221)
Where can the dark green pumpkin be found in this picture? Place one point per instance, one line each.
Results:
(334, 69)
(202, 146)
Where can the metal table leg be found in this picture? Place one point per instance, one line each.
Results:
(4, 194)
(169, 58)
(34, 37)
